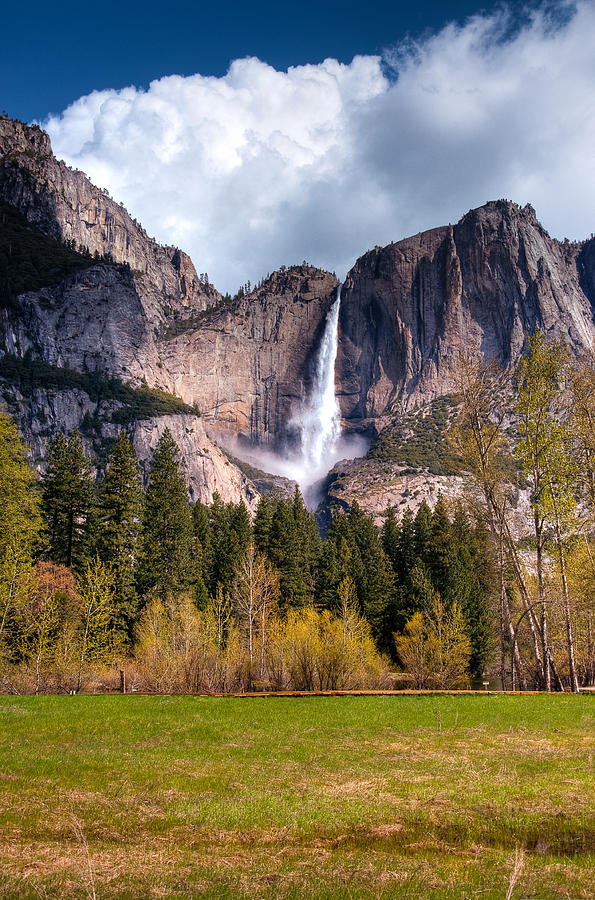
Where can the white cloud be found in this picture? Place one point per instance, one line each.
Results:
(261, 168)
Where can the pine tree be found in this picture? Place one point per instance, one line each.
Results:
(390, 536)
(423, 532)
(231, 535)
(68, 501)
(119, 519)
(285, 555)
(376, 583)
(166, 561)
(405, 559)
(203, 539)
(440, 550)
(263, 521)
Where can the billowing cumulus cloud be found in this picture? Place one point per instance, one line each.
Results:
(261, 168)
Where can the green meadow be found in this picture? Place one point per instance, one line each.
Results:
(329, 797)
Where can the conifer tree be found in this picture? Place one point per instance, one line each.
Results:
(119, 519)
(263, 521)
(166, 561)
(294, 548)
(372, 575)
(327, 576)
(231, 535)
(203, 548)
(390, 536)
(406, 548)
(423, 531)
(285, 555)
(68, 501)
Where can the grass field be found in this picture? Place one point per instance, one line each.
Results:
(332, 797)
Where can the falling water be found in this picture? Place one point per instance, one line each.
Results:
(318, 422)
(321, 420)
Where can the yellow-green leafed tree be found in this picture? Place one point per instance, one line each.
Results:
(318, 651)
(435, 649)
(255, 597)
(20, 524)
(582, 386)
(545, 449)
(97, 639)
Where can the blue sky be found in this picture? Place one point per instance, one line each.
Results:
(52, 53)
(258, 135)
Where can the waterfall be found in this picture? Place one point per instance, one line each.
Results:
(321, 420)
(318, 422)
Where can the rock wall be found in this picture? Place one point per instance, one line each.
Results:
(408, 311)
(411, 308)
(250, 363)
(208, 470)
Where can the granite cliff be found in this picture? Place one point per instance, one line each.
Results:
(84, 296)
(250, 362)
(409, 309)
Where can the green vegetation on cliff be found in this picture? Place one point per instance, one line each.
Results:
(30, 260)
(416, 440)
(28, 374)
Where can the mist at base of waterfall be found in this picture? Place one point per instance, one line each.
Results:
(310, 476)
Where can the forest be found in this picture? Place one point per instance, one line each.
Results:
(101, 574)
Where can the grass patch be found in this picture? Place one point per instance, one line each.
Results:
(436, 796)
(28, 374)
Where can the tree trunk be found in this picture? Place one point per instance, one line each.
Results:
(574, 686)
(545, 668)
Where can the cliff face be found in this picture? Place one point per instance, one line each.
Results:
(409, 309)
(250, 363)
(147, 317)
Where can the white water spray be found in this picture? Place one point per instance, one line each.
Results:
(321, 420)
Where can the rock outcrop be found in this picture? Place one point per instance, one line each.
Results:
(409, 309)
(102, 320)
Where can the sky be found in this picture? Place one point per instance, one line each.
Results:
(257, 135)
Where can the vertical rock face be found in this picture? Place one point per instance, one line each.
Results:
(411, 308)
(250, 362)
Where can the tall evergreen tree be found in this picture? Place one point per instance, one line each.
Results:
(263, 521)
(390, 536)
(68, 497)
(406, 547)
(294, 548)
(119, 518)
(203, 539)
(423, 532)
(362, 558)
(166, 563)
(231, 535)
